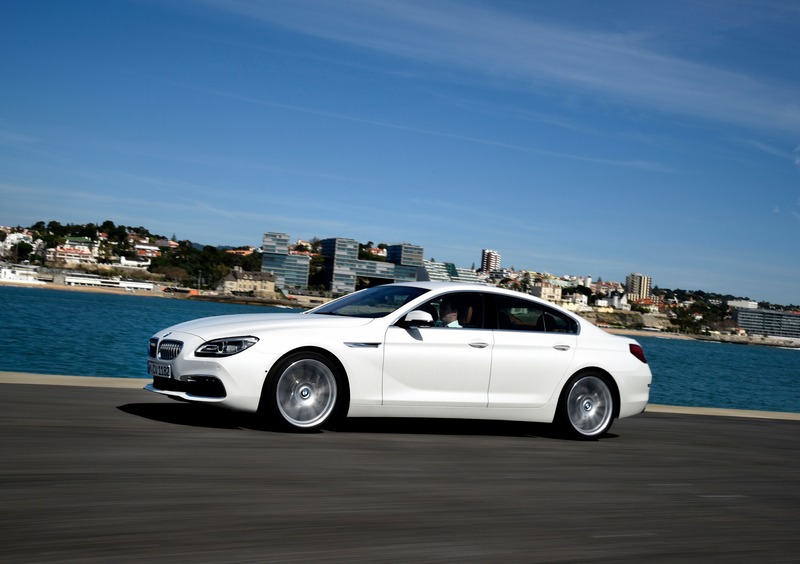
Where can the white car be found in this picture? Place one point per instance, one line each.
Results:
(419, 349)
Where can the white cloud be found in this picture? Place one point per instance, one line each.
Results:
(13, 139)
(515, 50)
(771, 150)
(633, 164)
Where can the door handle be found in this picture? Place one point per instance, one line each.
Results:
(561, 347)
(478, 345)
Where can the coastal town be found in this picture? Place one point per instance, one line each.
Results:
(302, 273)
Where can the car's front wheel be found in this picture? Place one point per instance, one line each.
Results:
(586, 409)
(302, 392)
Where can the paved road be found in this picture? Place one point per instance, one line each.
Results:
(93, 474)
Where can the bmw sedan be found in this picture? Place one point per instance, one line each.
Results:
(418, 349)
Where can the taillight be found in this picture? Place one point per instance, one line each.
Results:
(638, 352)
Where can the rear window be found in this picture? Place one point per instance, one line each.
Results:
(515, 314)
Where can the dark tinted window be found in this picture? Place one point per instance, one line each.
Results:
(516, 314)
(556, 322)
(458, 309)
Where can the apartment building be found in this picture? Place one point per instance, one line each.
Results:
(637, 286)
(75, 250)
(490, 261)
(768, 323)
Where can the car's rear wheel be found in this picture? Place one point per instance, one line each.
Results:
(302, 391)
(586, 409)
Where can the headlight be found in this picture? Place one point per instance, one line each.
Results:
(225, 347)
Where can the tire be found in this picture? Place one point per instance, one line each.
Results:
(586, 408)
(303, 392)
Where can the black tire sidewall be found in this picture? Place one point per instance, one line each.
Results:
(562, 419)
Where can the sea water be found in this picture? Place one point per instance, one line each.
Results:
(50, 331)
(47, 331)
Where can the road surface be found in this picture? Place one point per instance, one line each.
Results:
(96, 474)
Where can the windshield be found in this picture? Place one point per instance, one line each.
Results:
(373, 302)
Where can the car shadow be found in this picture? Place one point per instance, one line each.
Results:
(209, 416)
(192, 415)
(456, 427)
(459, 427)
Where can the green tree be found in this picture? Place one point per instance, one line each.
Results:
(21, 251)
(365, 254)
(172, 274)
(525, 282)
(584, 290)
(316, 273)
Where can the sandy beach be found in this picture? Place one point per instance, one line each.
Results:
(92, 289)
(297, 303)
(642, 333)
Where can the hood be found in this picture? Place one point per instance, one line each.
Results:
(256, 323)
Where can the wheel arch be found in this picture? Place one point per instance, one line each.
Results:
(607, 378)
(332, 358)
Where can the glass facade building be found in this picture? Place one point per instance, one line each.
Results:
(342, 265)
(407, 260)
(768, 323)
(291, 271)
(447, 272)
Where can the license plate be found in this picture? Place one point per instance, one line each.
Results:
(156, 369)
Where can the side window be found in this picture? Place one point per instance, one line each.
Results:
(519, 315)
(557, 322)
(515, 314)
(456, 310)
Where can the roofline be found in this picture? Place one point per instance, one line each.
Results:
(475, 287)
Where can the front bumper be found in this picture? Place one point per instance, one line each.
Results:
(235, 381)
(206, 388)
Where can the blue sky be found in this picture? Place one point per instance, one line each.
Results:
(585, 138)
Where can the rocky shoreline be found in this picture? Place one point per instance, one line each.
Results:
(615, 323)
(731, 339)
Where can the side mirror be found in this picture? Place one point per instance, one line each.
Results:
(418, 318)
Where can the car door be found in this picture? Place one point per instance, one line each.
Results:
(533, 348)
(440, 365)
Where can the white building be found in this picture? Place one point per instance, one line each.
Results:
(19, 275)
(490, 260)
(240, 281)
(546, 291)
(618, 300)
(140, 263)
(76, 250)
(743, 304)
(14, 239)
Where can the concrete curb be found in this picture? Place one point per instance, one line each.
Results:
(719, 412)
(55, 380)
(138, 383)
